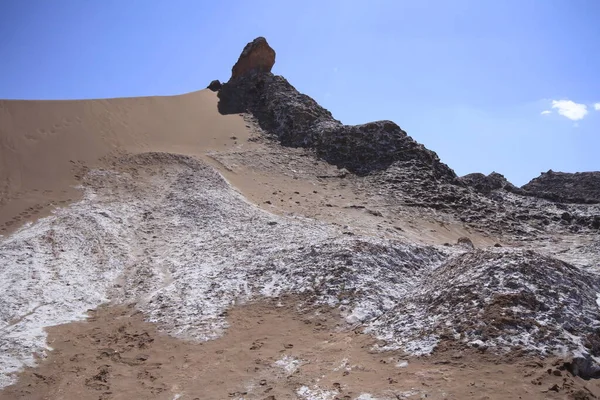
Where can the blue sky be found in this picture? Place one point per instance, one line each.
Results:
(468, 78)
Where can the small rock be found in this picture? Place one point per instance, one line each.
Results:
(554, 388)
(582, 395)
(215, 85)
(342, 173)
(566, 217)
(375, 213)
(583, 367)
(465, 242)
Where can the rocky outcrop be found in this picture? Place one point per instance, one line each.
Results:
(503, 299)
(278, 107)
(465, 242)
(407, 172)
(487, 183)
(499, 212)
(297, 120)
(215, 85)
(257, 56)
(580, 187)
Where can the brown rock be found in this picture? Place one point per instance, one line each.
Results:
(257, 56)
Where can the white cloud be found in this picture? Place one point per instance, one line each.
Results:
(570, 109)
(597, 106)
(546, 112)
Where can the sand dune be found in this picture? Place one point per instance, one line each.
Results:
(46, 145)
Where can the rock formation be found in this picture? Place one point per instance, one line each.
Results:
(215, 85)
(486, 184)
(580, 187)
(387, 157)
(298, 121)
(168, 234)
(465, 242)
(257, 56)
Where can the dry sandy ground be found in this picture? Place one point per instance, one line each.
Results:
(45, 146)
(270, 351)
(291, 181)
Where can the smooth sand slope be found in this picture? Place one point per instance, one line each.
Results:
(45, 146)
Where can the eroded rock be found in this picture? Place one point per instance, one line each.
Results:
(297, 120)
(465, 242)
(584, 367)
(215, 85)
(392, 161)
(580, 187)
(488, 183)
(257, 56)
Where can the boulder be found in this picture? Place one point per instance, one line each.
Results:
(465, 242)
(583, 366)
(215, 85)
(257, 56)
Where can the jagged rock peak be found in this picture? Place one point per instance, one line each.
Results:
(297, 120)
(487, 183)
(257, 56)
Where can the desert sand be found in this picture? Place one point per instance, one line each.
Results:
(269, 352)
(270, 349)
(46, 146)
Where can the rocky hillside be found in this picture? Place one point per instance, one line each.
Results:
(405, 170)
(486, 184)
(382, 158)
(345, 228)
(297, 120)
